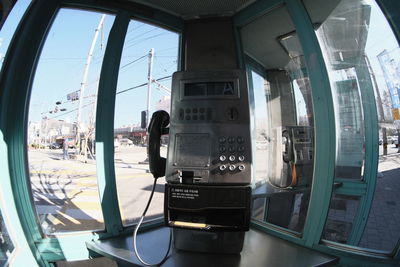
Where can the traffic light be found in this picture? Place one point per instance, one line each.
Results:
(143, 120)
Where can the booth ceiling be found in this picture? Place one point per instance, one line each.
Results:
(189, 9)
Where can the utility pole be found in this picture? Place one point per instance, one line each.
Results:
(149, 82)
(84, 78)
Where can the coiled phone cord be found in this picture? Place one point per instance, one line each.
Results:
(138, 226)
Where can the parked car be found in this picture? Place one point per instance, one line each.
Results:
(125, 142)
(55, 146)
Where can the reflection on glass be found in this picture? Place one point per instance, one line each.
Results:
(283, 121)
(61, 128)
(6, 245)
(362, 57)
(262, 127)
(342, 212)
(343, 50)
(350, 142)
(148, 51)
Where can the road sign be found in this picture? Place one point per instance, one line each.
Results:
(73, 96)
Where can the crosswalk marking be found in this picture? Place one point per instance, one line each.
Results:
(37, 176)
(68, 198)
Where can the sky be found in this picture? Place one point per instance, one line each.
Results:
(63, 57)
(61, 66)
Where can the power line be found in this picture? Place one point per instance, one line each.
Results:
(133, 61)
(131, 88)
(139, 35)
(133, 29)
(141, 85)
(120, 92)
(145, 39)
(163, 78)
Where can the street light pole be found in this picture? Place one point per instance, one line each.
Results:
(149, 82)
(84, 78)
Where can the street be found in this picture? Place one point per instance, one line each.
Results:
(66, 193)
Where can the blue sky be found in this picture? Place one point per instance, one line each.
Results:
(62, 61)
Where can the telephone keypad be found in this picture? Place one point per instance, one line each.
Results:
(234, 162)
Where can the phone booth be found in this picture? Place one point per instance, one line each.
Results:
(200, 133)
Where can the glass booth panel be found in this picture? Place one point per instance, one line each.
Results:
(262, 126)
(6, 244)
(282, 120)
(149, 53)
(363, 62)
(61, 125)
(340, 221)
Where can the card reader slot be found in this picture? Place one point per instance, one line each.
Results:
(210, 219)
(201, 226)
(207, 207)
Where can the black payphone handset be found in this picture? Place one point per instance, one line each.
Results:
(157, 127)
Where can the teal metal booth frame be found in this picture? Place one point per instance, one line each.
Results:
(32, 247)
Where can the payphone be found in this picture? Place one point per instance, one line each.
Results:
(294, 148)
(291, 175)
(208, 166)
